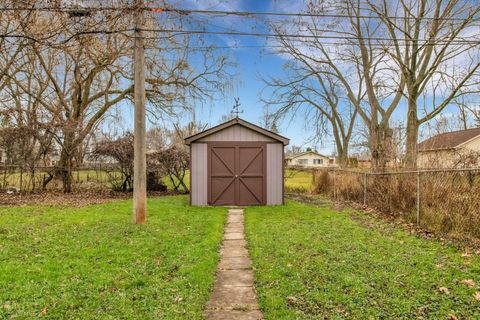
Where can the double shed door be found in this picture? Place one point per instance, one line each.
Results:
(236, 173)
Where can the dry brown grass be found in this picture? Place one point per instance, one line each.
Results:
(449, 201)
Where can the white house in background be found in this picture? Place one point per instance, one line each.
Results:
(450, 149)
(309, 159)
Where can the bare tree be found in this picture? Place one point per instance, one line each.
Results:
(121, 151)
(11, 49)
(356, 65)
(314, 88)
(428, 40)
(174, 162)
(292, 150)
(84, 70)
(469, 112)
(180, 132)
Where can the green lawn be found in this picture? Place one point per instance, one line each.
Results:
(298, 181)
(186, 180)
(81, 178)
(87, 178)
(295, 181)
(315, 263)
(92, 263)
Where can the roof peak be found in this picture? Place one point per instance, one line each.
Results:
(234, 121)
(305, 152)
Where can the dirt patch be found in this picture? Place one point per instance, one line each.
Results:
(308, 199)
(76, 199)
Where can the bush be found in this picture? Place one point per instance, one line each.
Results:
(154, 182)
(322, 183)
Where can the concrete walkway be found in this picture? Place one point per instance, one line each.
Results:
(233, 294)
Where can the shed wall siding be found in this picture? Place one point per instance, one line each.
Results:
(274, 174)
(236, 133)
(199, 178)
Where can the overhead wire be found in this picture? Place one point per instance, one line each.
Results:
(302, 36)
(185, 11)
(230, 32)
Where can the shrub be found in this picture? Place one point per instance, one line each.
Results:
(322, 183)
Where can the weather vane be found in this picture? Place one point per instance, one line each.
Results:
(236, 106)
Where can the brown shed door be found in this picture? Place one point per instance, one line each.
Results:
(236, 174)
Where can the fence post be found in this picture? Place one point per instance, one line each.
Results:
(21, 178)
(334, 184)
(418, 198)
(365, 189)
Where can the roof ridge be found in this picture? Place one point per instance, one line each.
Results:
(239, 121)
(449, 140)
(455, 131)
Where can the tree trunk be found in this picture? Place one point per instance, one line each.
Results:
(46, 181)
(380, 137)
(412, 135)
(64, 167)
(32, 177)
(64, 170)
(342, 154)
(341, 143)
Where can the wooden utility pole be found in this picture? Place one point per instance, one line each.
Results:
(140, 161)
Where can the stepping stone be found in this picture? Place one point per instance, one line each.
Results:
(233, 229)
(235, 263)
(235, 243)
(233, 252)
(234, 225)
(231, 298)
(233, 295)
(235, 278)
(233, 315)
(235, 218)
(234, 236)
(235, 211)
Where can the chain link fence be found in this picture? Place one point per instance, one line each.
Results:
(22, 179)
(445, 202)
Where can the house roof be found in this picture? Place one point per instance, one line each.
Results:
(237, 121)
(293, 156)
(449, 140)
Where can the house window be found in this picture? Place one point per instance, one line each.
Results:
(317, 161)
(302, 161)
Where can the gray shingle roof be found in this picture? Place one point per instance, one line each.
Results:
(449, 140)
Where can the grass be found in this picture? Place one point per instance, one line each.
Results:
(298, 181)
(315, 263)
(86, 178)
(295, 181)
(93, 263)
(169, 183)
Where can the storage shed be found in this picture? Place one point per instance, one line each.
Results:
(236, 163)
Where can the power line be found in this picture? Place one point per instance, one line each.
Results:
(304, 36)
(66, 40)
(294, 14)
(219, 12)
(216, 47)
(66, 9)
(265, 35)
